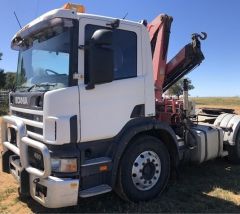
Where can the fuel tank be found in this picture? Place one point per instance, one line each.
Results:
(208, 141)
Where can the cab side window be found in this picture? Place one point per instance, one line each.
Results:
(125, 52)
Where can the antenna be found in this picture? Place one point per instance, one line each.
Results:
(125, 15)
(17, 19)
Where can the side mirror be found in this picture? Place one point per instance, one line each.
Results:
(100, 58)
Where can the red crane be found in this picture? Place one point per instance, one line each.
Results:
(168, 73)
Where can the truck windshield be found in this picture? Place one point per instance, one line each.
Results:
(43, 63)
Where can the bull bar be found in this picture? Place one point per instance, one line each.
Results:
(23, 142)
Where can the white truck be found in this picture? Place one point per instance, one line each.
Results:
(87, 114)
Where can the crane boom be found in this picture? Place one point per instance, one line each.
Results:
(159, 32)
(190, 56)
(186, 60)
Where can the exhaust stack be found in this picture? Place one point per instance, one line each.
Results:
(185, 98)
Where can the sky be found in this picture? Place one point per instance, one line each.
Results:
(218, 75)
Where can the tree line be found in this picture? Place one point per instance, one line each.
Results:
(7, 79)
(177, 88)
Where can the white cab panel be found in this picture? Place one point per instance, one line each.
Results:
(107, 108)
(59, 106)
(148, 74)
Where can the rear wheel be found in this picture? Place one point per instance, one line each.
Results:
(144, 169)
(234, 151)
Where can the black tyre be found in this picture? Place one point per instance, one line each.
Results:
(234, 151)
(144, 169)
(23, 197)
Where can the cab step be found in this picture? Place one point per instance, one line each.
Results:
(96, 166)
(97, 190)
(96, 161)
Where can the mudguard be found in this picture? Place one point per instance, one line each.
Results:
(137, 126)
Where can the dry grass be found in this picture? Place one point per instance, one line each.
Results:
(218, 102)
(211, 187)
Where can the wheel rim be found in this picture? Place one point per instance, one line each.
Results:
(146, 170)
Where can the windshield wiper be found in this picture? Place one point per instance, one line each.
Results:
(41, 85)
(20, 87)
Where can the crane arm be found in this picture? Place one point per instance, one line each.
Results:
(159, 32)
(186, 60)
(166, 74)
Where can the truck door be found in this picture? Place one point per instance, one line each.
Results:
(108, 107)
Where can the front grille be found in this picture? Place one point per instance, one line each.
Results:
(35, 158)
(37, 118)
(29, 126)
(34, 129)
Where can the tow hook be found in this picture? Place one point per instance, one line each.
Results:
(196, 44)
(201, 36)
(36, 180)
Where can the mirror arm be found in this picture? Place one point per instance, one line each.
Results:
(114, 24)
(83, 47)
(90, 86)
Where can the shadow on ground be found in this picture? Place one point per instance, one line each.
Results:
(189, 193)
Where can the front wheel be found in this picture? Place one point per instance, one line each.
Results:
(144, 169)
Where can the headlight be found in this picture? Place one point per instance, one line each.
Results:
(64, 165)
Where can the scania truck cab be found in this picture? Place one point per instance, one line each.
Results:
(58, 126)
(84, 116)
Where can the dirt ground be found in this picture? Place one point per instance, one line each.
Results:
(210, 187)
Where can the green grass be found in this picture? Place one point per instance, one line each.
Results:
(4, 108)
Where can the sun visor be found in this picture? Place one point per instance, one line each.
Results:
(23, 36)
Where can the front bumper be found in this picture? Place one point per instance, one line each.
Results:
(51, 192)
